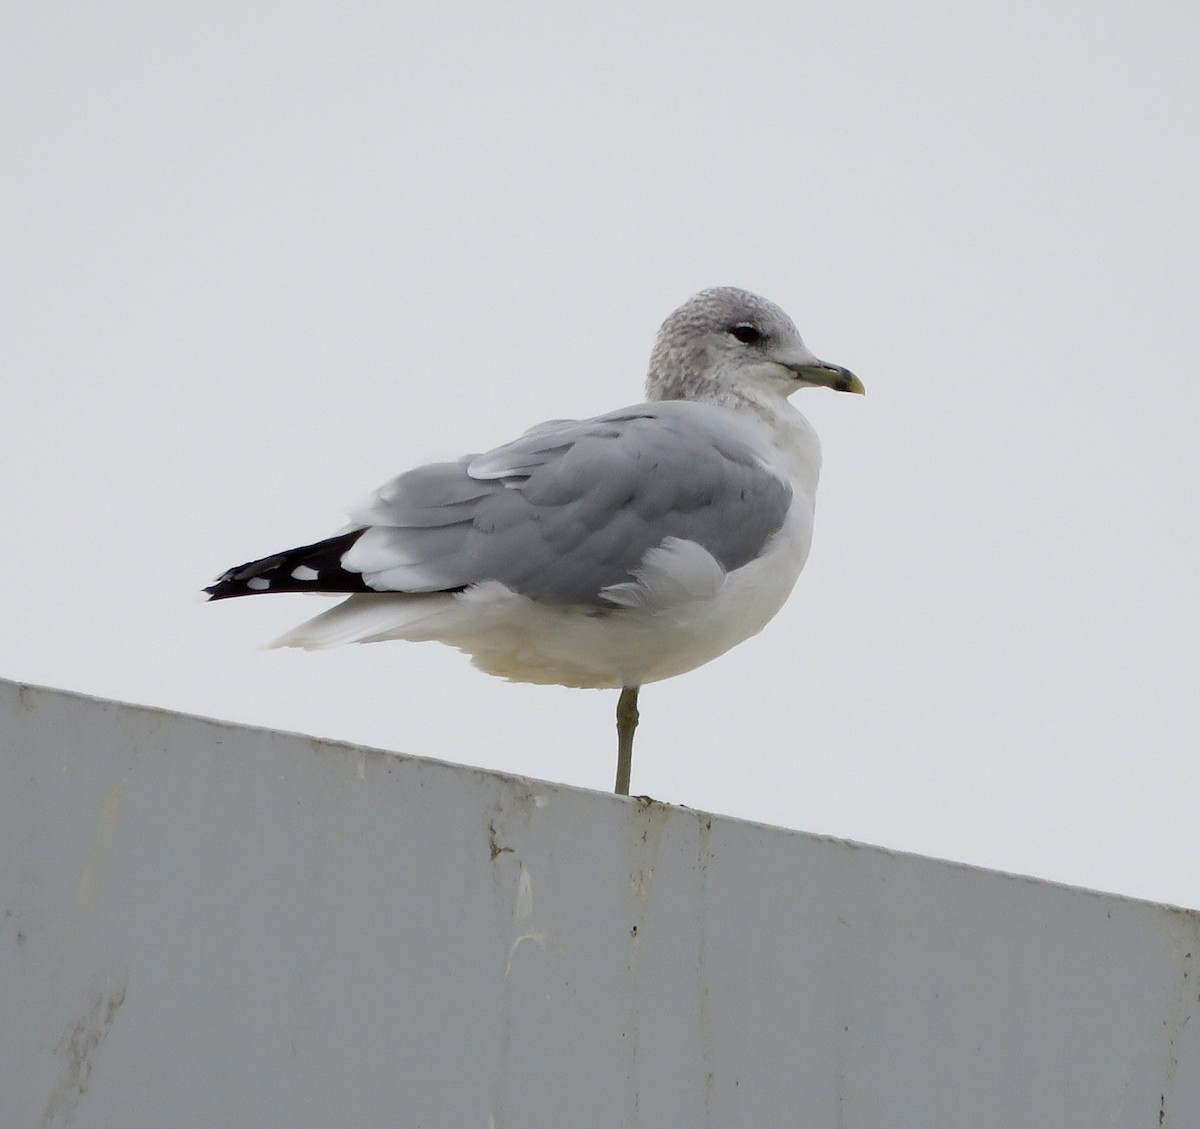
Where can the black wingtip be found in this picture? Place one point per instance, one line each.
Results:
(225, 589)
(309, 568)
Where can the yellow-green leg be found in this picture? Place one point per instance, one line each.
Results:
(627, 719)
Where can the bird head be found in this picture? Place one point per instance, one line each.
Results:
(728, 342)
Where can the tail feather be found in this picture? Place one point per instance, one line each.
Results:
(309, 568)
(372, 619)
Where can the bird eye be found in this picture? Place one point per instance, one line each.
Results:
(746, 333)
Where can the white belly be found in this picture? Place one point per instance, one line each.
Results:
(514, 637)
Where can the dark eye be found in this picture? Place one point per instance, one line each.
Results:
(746, 333)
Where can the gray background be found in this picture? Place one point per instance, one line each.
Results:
(255, 258)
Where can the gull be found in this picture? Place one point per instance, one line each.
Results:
(602, 553)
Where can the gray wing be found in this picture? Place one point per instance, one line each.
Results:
(572, 507)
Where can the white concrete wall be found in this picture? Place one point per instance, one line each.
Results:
(208, 926)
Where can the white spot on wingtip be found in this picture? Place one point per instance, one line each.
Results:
(258, 584)
(303, 572)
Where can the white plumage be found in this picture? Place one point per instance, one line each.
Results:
(609, 552)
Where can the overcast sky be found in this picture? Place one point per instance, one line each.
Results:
(259, 257)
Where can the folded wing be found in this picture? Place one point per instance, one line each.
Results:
(567, 511)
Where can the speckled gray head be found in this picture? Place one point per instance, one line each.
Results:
(727, 343)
